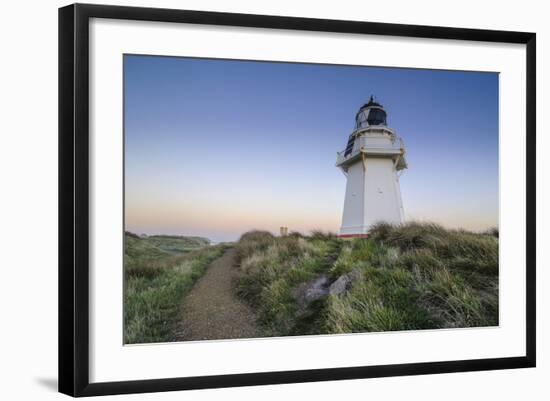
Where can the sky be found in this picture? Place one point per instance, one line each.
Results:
(219, 147)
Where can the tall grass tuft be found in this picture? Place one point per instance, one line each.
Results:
(322, 235)
(404, 277)
(449, 278)
(253, 241)
(273, 268)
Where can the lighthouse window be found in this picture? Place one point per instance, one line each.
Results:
(361, 119)
(376, 117)
(372, 116)
(349, 146)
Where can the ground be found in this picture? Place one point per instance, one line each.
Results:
(212, 310)
(407, 277)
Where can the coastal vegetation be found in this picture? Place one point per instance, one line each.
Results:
(159, 272)
(406, 277)
(412, 276)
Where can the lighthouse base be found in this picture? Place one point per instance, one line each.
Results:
(354, 232)
(351, 236)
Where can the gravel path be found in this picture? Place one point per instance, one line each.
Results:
(212, 310)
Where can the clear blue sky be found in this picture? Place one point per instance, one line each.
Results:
(215, 147)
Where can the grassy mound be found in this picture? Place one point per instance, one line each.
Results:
(406, 277)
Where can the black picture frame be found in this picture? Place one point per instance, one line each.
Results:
(74, 201)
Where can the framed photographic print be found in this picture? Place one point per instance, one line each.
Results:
(250, 199)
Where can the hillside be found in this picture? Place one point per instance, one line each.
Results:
(177, 244)
(159, 271)
(154, 247)
(408, 277)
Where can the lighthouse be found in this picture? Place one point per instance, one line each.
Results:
(372, 163)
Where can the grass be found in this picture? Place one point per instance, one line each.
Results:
(157, 277)
(177, 244)
(406, 277)
(274, 268)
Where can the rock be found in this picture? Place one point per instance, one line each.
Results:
(313, 290)
(317, 289)
(321, 287)
(344, 283)
(340, 286)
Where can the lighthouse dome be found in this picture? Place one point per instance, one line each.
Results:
(371, 113)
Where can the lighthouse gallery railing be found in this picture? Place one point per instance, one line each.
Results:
(395, 147)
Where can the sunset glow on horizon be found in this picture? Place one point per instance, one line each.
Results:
(216, 148)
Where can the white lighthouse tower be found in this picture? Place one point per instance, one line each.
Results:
(372, 160)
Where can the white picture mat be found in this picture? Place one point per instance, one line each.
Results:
(111, 361)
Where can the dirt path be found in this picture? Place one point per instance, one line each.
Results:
(212, 310)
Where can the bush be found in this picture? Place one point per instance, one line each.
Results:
(253, 241)
(409, 236)
(256, 236)
(322, 235)
(296, 234)
(380, 231)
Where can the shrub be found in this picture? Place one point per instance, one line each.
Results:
(256, 236)
(253, 241)
(380, 231)
(296, 234)
(415, 235)
(322, 235)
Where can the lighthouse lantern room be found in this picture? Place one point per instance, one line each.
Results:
(372, 162)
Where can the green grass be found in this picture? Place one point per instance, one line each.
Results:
(177, 244)
(156, 279)
(273, 269)
(407, 277)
